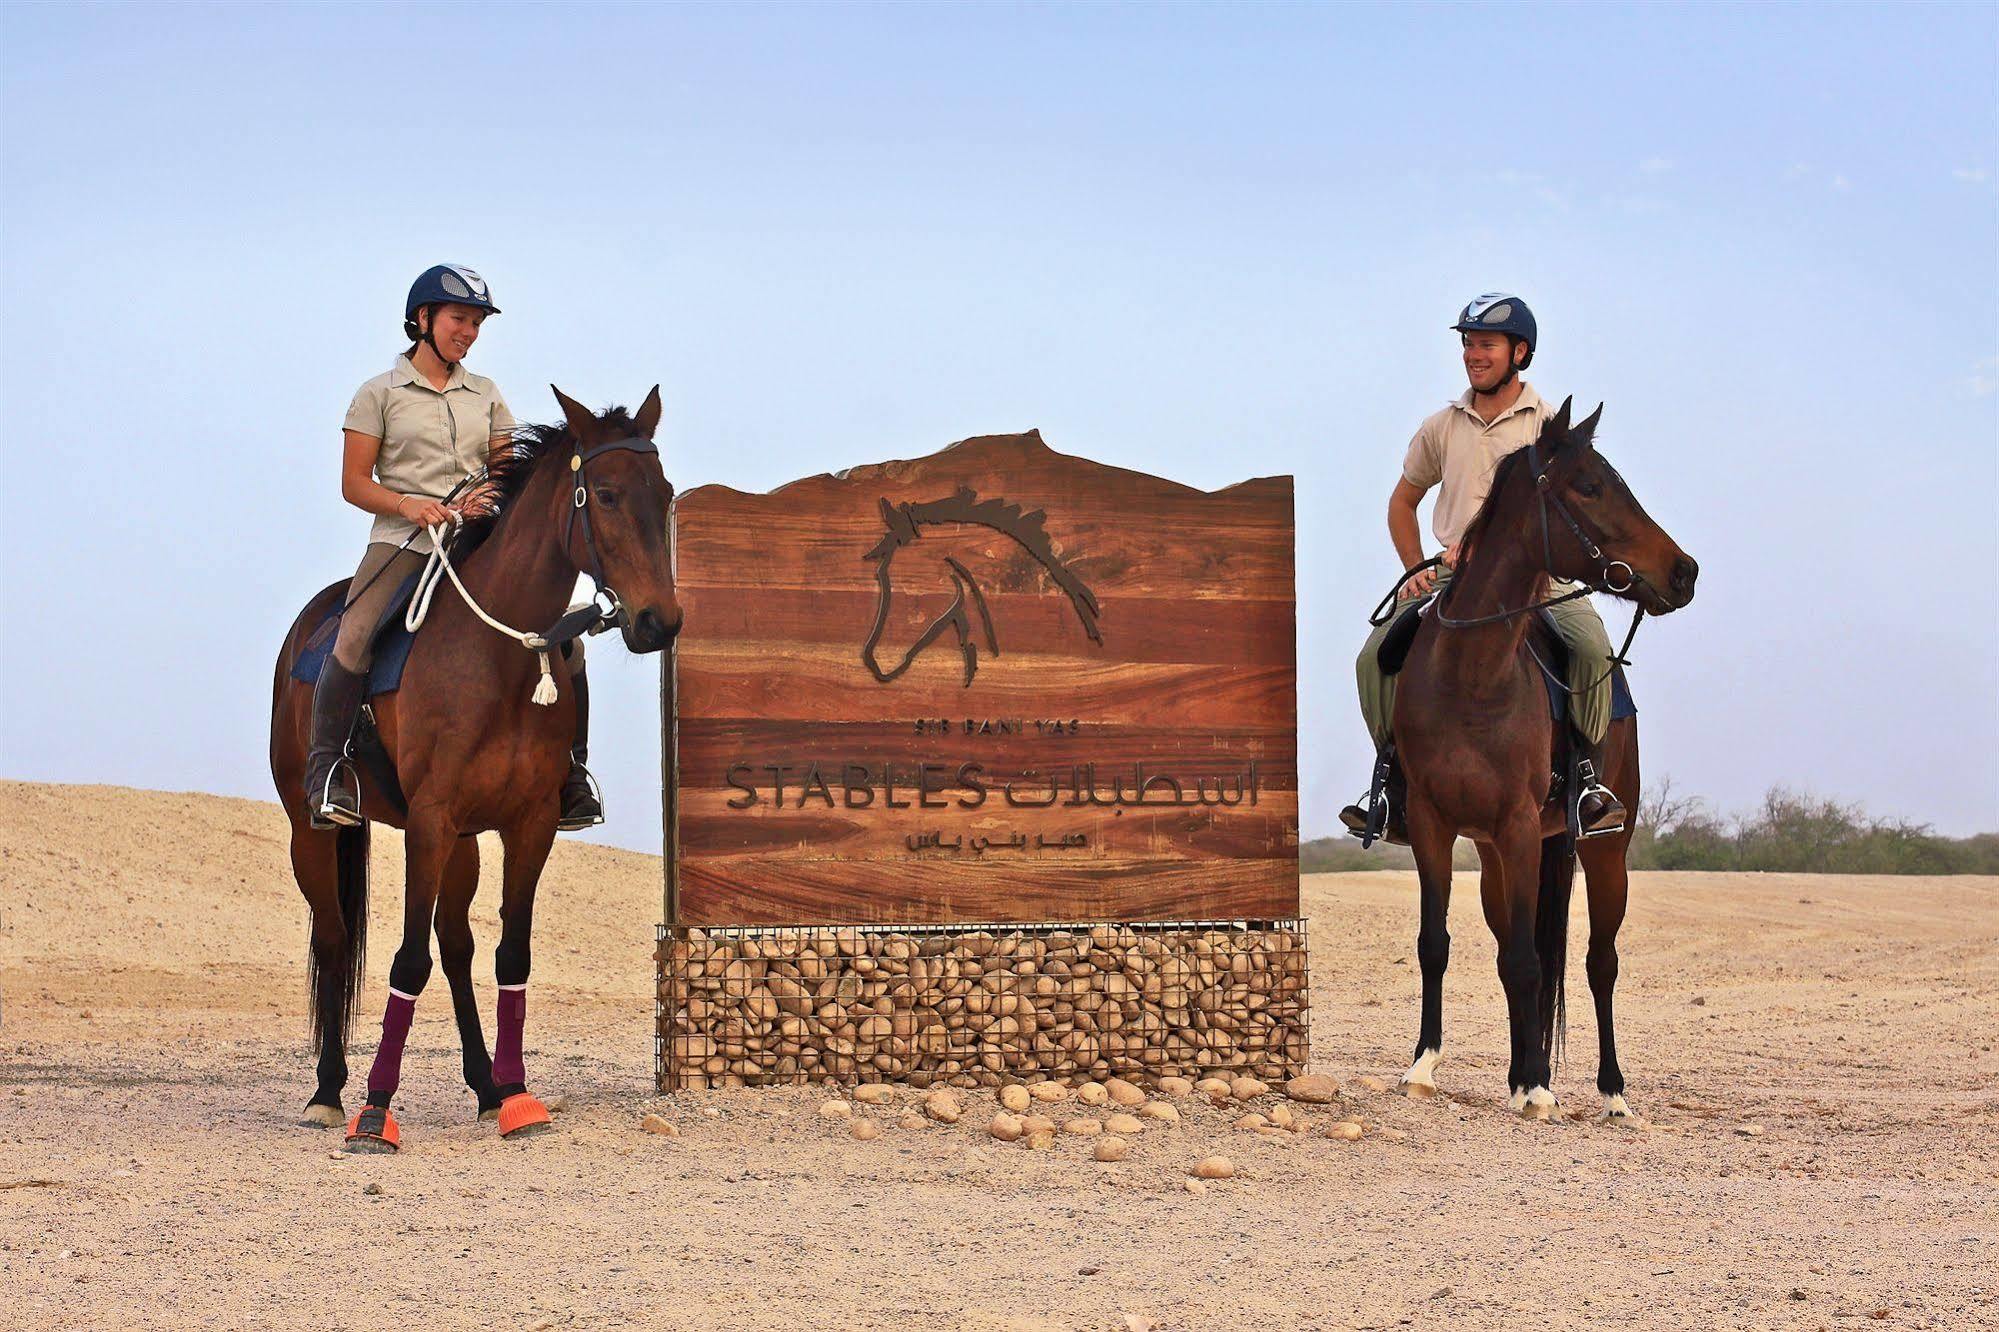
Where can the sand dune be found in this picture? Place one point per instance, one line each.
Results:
(153, 1061)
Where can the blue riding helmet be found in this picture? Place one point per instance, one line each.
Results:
(452, 284)
(1497, 312)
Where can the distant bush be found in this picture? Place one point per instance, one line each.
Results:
(1790, 832)
(1342, 855)
(1800, 834)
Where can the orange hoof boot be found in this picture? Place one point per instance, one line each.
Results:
(522, 1115)
(374, 1130)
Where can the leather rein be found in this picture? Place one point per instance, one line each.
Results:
(1607, 580)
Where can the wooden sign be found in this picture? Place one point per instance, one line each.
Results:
(997, 684)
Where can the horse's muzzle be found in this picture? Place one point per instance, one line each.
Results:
(1677, 589)
(649, 631)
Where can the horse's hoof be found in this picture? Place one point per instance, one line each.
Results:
(1539, 1104)
(522, 1116)
(374, 1130)
(1421, 1081)
(318, 1115)
(1616, 1112)
(489, 1112)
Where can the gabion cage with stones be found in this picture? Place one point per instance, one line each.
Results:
(980, 1006)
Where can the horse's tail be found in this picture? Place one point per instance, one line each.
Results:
(1551, 940)
(334, 1011)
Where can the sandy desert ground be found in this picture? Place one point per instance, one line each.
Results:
(1814, 1056)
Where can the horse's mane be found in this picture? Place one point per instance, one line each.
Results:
(508, 472)
(1500, 476)
(1545, 443)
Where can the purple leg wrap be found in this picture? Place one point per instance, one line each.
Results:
(507, 1065)
(388, 1067)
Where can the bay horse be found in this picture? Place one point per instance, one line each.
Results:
(471, 751)
(1476, 732)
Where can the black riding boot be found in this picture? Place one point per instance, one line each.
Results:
(332, 796)
(581, 807)
(1598, 812)
(1393, 825)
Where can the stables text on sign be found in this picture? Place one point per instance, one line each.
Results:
(996, 684)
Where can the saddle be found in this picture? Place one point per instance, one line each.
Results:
(1543, 638)
(391, 643)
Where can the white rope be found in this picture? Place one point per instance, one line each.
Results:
(419, 607)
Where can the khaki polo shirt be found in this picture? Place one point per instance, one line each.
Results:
(431, 439)
(1461, 451)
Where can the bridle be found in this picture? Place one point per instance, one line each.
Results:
(1607, 580)
(604, 609)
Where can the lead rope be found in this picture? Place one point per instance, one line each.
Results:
(419, 607)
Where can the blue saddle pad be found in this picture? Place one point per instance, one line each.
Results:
(392, 646)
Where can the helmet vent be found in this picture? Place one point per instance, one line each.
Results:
(1498, 314)
(451, 284)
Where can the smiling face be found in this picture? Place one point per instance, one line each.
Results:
(453, 327)
(1489, 358)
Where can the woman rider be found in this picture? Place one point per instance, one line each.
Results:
(413, 435)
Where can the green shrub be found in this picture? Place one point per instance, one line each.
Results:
(1792, 832)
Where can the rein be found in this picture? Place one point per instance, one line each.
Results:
(1544, 496)
(603, 609)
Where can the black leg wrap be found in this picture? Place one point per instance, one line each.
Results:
(506, 1089)
(379, 1100)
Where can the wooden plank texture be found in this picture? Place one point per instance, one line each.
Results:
(996, 684)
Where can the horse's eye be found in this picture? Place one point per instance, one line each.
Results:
(1588, 487)
(607, 497)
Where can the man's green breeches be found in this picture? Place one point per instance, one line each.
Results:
(1589, 658)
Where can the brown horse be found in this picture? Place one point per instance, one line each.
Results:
(1476, 735)
(471, 752)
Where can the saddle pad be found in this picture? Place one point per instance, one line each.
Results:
(392, 646)
(1622, 705)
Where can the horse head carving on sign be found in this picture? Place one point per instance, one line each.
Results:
(904, 523)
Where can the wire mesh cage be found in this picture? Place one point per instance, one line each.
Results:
(974, 1006)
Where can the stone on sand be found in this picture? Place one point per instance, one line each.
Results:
(1124, 1093)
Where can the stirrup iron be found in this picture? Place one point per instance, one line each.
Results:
(1588, 785)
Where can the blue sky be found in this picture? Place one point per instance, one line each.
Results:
(1206, 242)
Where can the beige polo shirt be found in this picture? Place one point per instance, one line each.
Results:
(431, 439)
(1460, 451)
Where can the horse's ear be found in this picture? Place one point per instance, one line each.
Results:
(578, 417)
(647, 420)
(1586, 429)
(1560, 421)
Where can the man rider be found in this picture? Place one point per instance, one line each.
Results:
(1458, 449)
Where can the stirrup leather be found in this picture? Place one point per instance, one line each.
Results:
(1376, 802)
